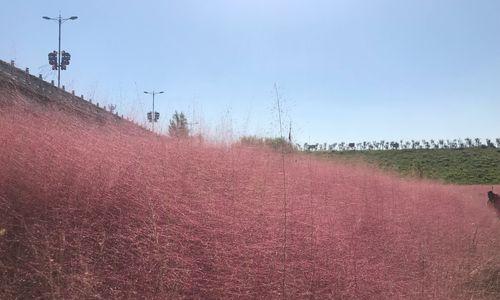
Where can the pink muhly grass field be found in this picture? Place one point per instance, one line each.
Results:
(104, 210)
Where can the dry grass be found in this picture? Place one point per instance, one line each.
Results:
(102, 210)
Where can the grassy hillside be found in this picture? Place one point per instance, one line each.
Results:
(98, 211)
(461, 166)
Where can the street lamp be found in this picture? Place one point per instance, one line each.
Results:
(153, 116)
(58, 64)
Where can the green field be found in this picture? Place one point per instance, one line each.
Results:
(460, 166)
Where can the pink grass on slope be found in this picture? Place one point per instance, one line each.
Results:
(101, 211)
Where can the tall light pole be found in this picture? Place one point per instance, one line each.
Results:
(153, 116)
(60, 20)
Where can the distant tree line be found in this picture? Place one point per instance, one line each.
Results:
(402, 145)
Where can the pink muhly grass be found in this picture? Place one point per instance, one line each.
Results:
(104, 210)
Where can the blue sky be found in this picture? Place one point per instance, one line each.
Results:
(347, 70)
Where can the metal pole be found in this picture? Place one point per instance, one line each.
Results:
(59, 55)
(154, 115)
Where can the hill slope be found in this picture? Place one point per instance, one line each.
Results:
(16, 84)
(93, 210)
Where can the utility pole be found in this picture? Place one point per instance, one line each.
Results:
(62, 57)
(191, 129)
(153, 116)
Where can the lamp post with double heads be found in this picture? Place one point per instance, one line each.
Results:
(153, 117)
(60, 20)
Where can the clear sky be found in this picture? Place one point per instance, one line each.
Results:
(347, 70)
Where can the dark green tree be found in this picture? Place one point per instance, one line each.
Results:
(178, 126)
